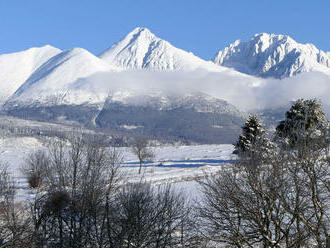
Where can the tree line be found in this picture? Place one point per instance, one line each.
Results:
(277, 194)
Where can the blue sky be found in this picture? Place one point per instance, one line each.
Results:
(200, 26)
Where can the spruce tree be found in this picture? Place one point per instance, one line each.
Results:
(251, 129)
(305, 121)
(253, 144)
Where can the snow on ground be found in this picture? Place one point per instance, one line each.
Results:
(14, 142)
(178, 165)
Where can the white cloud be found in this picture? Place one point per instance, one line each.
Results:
(236, 88)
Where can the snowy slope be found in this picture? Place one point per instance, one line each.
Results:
(270, 55)
(49, 84)
(15, 68)
(141, 49)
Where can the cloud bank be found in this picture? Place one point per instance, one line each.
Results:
(246, 92)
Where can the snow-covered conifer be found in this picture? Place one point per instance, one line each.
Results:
(253, 143)
(304, 121)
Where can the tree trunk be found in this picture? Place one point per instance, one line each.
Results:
(140, 167)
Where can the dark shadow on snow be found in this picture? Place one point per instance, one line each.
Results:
(181, 163)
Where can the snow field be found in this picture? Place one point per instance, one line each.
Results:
(177, 165)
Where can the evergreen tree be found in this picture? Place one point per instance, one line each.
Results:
(305, 121)
(251, 129)
(253, 142)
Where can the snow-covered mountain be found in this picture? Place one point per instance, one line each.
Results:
(145, 83)
(270, 55)
(190, 116)
(60, 80)
(49, 84)
(193, 116)
(77, 87)
(15, 68)
(165, 101)
(141, 49)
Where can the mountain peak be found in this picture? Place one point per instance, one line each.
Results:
(129, 53)
(139, 30)
(77, 51)
(51, 80)
(273, 55)
(140, 33)
(264, 35)
(17, 67)
(37, 49)
(141, 49)
(44, 47)
(272, 38)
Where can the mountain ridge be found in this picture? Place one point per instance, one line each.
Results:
(60, 79)
(112, 90)
(55, 76)
(271, 55)
(15, 68)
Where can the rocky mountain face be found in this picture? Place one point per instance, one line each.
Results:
(269, 55)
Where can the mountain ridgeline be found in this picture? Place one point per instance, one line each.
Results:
(49, 84)
(269, 55)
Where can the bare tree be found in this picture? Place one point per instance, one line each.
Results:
(307, 173)
(141, 148)
(36, 168)
(84, 204)
(274, 197)
(148, 217)
(15, 228)
(71, 209)
(241, 208)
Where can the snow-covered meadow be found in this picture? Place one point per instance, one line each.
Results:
(178, 165)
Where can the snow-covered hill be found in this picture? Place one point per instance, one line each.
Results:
(15, 68)
(141, 49)
(49, 84)
(270, 55)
